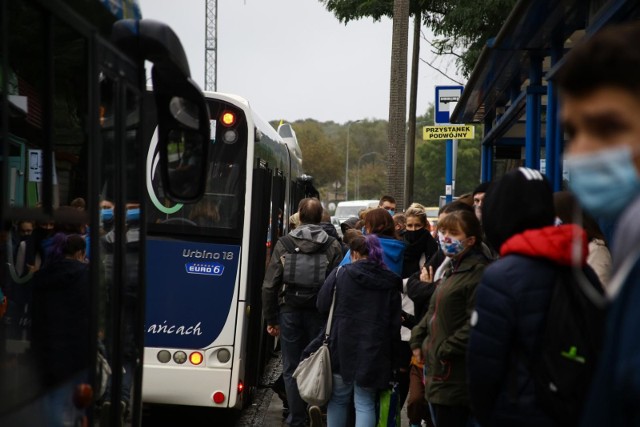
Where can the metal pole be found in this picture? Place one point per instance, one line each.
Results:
(448, 174)
(346, 169)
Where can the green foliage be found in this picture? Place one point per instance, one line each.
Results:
(462, 26)
(323, 146)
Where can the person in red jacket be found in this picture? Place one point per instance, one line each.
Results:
(513, 297)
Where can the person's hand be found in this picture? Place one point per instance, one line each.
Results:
(273, 330)
(426, 274)
(417, 353)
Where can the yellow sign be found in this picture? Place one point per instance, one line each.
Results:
(447, 132)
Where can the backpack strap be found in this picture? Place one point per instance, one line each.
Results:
(288, 244)
(291, 247)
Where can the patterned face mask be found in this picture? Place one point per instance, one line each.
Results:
(450, 246)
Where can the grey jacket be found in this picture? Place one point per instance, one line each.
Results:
(308, 237)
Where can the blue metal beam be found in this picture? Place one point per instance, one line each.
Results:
(486, 154)
(532, 135)
(506, 120)
(553, 144)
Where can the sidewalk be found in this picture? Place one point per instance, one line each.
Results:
(273, 418)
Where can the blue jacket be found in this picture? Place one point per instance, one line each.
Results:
(392, 254)
(615, 390)
(511, 305)
(364, 341)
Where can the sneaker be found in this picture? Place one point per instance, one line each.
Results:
(104, 413)
(315, 416)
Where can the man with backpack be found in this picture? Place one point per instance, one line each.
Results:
(299, 264)
(535, 335)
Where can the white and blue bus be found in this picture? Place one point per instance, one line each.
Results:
(205, 340)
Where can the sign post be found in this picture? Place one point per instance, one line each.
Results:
(446, 100)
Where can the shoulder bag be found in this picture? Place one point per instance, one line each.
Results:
(313, 375)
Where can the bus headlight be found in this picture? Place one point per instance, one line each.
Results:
(164, 356)
(179, 357)
(223, 355)
(195, 358)
(230, 136)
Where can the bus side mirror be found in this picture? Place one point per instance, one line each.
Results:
(183, 115)
(183, 138)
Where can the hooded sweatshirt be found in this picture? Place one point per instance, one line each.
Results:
(308, 238)
(392, 254)
(365, 335)
(510, 312)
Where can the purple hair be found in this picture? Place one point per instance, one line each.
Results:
(63, 245)
(368, 246)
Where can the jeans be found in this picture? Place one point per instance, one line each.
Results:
(297, 330)
(364, 399)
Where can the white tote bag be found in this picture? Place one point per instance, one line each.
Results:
(313, 375)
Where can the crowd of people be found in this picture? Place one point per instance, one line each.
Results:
(47, 300)
(462, 315)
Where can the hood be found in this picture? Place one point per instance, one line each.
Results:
(61, 274)
(552, 243)
(371, 276)
(309, 237)
(329, 229)
(393, 253)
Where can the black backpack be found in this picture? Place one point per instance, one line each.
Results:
(303, 273)
(569, 347)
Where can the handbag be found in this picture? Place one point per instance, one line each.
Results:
(388, 407)
(313, 375)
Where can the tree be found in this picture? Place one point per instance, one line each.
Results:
(463, 26)
(315, 145)
(430, 166)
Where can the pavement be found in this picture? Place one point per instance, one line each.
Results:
(273, 416)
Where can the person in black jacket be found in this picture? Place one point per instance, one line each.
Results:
(365, 335)
(513, 298)
(61, 306)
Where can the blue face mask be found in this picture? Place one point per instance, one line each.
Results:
(604, 182)
(391, 212)
(106, 214)
(133, 215)
(450, 246)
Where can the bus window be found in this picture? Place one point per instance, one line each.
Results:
(221, 209)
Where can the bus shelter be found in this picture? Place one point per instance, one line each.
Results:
(512, 91)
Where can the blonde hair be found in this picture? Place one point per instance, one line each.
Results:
(417, 210)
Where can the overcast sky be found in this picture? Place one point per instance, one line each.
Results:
(293, 60)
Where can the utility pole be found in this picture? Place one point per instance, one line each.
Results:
(346, 167)
(413, 95)
(211, 46)
(398, 102)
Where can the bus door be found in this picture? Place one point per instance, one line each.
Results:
(68, 124)
(118, 167)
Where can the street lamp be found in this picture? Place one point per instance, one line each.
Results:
(358, 172)
(346, 168)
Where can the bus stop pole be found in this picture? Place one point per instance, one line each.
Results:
(448, 174)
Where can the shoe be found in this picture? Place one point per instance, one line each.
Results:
(315, 416)
(104, 414)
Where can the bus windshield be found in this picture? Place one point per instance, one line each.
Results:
(221, 209)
